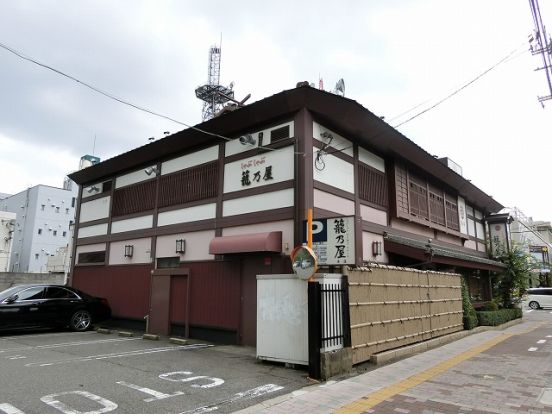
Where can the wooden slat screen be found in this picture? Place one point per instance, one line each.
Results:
(134, 198)
(191, 184)
(417, 194)
(372, 186)
(451, 211)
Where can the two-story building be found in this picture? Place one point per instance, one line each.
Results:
(178, 229)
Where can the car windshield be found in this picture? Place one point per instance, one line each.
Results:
(8, 292)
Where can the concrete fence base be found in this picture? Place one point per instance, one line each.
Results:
(9, 279)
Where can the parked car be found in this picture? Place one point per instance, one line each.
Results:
(537, 298)
(50, 306)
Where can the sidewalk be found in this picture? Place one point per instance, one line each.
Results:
(362, 393)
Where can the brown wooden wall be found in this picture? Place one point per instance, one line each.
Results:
(126, 287)
(392, 307)
(372, 186)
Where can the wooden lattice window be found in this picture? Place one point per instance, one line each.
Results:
(417, 195)
(191, 184)
(134, 198)
(372, 186)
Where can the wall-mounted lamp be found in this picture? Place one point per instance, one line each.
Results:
(151, 170)
(377, 248)
(247, 139)
(93, 189)
(129, 250)
(181, 246)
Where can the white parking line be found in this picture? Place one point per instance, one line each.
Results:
(249, 394)
(119, 355)
(66, 344)
(23, 336)
(541, 341)
(533, 349)
(529, 311)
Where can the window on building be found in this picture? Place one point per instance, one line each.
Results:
(64, 233)
(91, 257)
(42, 207)
(36, 255)
(55, 232)
(57, 209)
(166, 262)
(73, 202)
(39, 231)
(67, 211)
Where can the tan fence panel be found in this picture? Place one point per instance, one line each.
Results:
(391, 307)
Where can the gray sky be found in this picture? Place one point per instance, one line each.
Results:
(394, 56)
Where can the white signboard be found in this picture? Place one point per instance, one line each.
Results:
(267, 168)
(499, 239)
(334, 240)
(462, 216)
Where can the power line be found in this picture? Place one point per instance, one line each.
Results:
(107, 94)
(508, 57)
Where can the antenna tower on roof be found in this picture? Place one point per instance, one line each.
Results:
(214, 95)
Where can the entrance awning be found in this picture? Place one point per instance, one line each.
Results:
(247, 243)
(431, 252)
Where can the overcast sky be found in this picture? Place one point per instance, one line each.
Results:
(394, 56)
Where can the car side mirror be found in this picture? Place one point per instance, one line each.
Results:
(12, 299)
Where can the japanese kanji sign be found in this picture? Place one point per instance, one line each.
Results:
(333, 240)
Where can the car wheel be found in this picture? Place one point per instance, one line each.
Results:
(81, 320)
(534, 305)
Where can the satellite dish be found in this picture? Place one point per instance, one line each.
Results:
(340, 87)
(304, 262)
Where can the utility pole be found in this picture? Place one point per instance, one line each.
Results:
(540, 43)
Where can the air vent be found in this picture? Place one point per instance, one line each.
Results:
(279, 134)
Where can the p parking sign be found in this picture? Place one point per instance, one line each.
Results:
(333, 240)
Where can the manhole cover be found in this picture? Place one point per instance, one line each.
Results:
(490, 377)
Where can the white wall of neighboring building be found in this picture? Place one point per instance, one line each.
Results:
(7, 225)
(44, 215)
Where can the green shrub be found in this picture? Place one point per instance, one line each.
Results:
(469, 316)
(490, 306)
(498, 317)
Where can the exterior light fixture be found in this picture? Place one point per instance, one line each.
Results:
(93, 189)
(377, 248)
(129, 250)
(152, 170)
(181, 246)
(247, 139)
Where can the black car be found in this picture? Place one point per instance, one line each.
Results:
(50, 306)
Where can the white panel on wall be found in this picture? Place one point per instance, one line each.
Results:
(462, 215)
(371, 159)
(97, 247)
(186, 215)
(134, 177)
(90, 231)
(235, 146)
(141, 251)
(190, 160)
(136, 223)
(334, 171)
(337, 141)
(95, 209)
(197, 245)
(285, 226)
(471, 227)
(373, 215)
(367, 250)
(480, 230)
(268, 168)
(261, 202)
(333, 203)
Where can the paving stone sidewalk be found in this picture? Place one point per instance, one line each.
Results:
(494, 371)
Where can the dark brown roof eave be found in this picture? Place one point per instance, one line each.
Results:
(347, 115)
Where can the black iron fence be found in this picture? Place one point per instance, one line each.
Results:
(329, 320)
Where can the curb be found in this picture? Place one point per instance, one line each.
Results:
(178, 341)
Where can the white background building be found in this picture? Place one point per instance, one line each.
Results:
(44, 215)
(7, 225)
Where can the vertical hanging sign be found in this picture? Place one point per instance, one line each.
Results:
(333, 240)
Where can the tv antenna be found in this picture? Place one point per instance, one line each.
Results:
(214, 95)
(340, 87)
(541, 44)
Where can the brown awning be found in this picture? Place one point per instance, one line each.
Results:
(247, 243)
(430, 251)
